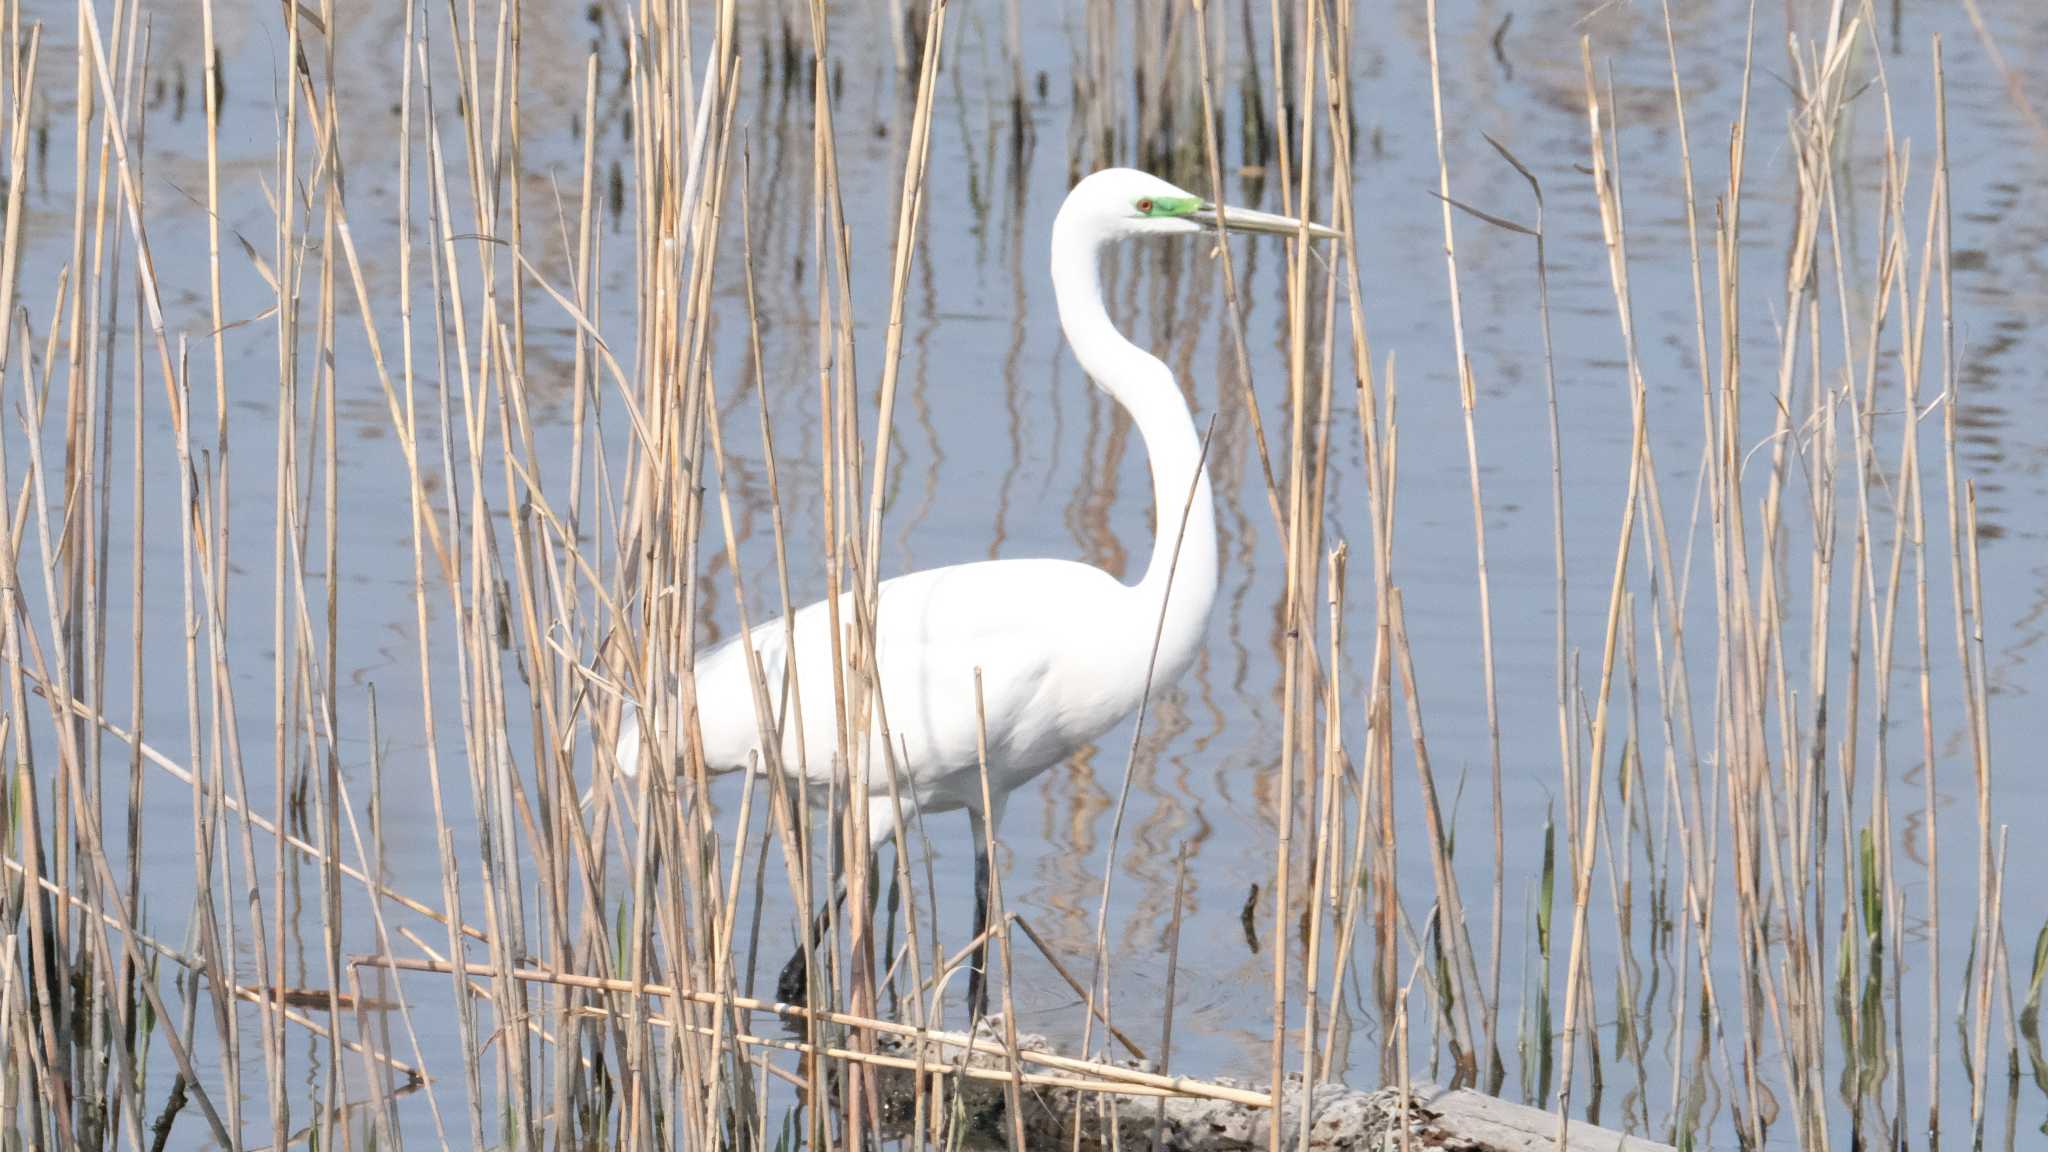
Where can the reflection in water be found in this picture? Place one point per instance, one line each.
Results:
(1013, 250)
(921, 410)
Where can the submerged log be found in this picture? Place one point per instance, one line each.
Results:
(1341, 1117)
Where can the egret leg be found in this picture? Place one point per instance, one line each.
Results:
(792, 985)
(977, 982)
(889, 936)
(983, 828)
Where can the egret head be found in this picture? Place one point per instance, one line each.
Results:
(1118, 202)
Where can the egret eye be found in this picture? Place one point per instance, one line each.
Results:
(1145, 205)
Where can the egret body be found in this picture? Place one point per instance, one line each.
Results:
(1064, 649)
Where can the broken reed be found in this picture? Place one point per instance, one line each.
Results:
(1793, 1007)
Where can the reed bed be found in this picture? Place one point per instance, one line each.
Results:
(1785, 678)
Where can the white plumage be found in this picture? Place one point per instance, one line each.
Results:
(1063, 648)
(1057, 664)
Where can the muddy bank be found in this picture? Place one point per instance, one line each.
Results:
(1340, 1116)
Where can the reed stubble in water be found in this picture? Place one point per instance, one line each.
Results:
(1727, 770)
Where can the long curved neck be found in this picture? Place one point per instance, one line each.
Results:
(1145, 387)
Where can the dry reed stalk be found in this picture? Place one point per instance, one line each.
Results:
(423, 514)
(770, 738)
(1964, 611)
(1691, 848)
(999, 922)
(835, 366)
(1096, 999)
(68, 591)
(1235, 311)
(865, 698)
(1045, 950)
(1301, 573)
(1731, 576)
(699, 873)
(1095, 1069)
(789, 700)
(9, 983)
(1328, 814)
(136, 595)
(1496, 1073)
(311, 852)
(1450, 908)
(1379, 487)
(514, 558)
(1582, 867)
(111, 922)
(1468, 405)
(84, 824)
(387, 976)
(1180, 880)
(920, 1067)
(22, 807)
(1864, 913)
(324, 723)
(286, 258)
(1912, 531)
(95, 65)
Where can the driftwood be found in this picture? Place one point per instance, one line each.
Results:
(1439, 1120)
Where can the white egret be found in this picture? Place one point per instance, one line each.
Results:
(1064, 649)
